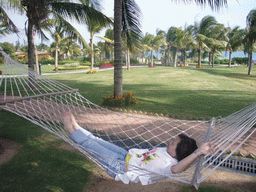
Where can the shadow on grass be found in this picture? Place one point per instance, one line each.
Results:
(229, 73)
(40, 165)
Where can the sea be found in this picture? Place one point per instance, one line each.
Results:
(237, 54)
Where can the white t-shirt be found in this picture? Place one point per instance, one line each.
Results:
(157, 160)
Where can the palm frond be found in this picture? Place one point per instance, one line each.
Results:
(213, 4)
(70, 30)
(4, 18)
(80, 12)
(131, 22)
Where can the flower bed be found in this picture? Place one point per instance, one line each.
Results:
(199, 66)
(1, 72)
(106, 65)
(72, 68)
(92, 71)
(125, 100)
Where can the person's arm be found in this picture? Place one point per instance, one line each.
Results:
(186, 162)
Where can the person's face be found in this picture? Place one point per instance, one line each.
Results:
(171, 149)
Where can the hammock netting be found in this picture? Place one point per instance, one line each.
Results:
(44, 101)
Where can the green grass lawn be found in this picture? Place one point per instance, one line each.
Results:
(190, 92)
(194, 93)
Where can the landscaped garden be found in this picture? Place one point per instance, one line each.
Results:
(42, 165)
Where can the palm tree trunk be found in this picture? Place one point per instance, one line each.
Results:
(128, 60)
(169, 57)
(152, 57)
(250, 60)
(118, 71)
(92, 55)
(36, 55)
(209, 58)
(56, 56)
(229, 63)
(213, 59)
(185, 57)
(175, 59)
(199, 56)
(31, 53)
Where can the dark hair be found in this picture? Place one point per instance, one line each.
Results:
(185, 147)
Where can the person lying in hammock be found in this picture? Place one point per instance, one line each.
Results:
(175, 158)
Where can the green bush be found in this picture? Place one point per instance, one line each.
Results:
(216, 60)
(46, 61)
(132, 61)
(240, 60)
(98, 64)
(224, 61)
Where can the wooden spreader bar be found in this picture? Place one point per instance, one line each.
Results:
(36, 96)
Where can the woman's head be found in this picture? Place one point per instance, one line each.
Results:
(181, 147)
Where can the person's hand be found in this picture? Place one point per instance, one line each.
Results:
(206, 148)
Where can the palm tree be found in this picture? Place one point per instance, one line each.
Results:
(93, 29)
(153, 42)
(39, 10)
(235, 37)
(170, 39)
(216, 40)
(126, 18)
(251, 35)
(201, 32)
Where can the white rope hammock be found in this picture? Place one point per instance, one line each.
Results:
(44, 101)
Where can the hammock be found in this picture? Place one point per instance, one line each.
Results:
(44, 101)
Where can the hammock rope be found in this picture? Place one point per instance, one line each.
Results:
(44, 101)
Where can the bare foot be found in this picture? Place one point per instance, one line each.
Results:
(74, 123)
(66, 120)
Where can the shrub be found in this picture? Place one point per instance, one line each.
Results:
(1, 72)
(216, 60)
(46, 61)
(198, 66)
(106, 65)
(132, 60)
(149, 65)
(240, 60)
(92, 71)
(125, 100)
(224, 61)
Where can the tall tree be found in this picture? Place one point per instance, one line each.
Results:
(93, 29)
(217, 40)
(251, 35)
(235, 37)
(201, 32)
(153, 42)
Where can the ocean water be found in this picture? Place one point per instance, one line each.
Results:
(237, 54)
(225, 54)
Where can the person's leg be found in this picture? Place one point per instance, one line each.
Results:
(100, 141)
(102, 148)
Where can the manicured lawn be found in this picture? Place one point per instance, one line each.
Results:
(190, 92)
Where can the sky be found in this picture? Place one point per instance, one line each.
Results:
(158, 14)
